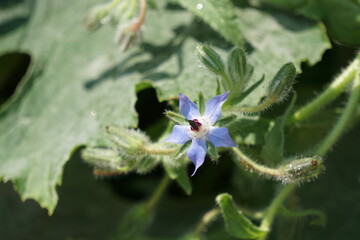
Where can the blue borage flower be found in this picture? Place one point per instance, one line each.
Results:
(201, 128)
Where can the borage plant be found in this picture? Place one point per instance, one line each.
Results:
(201, 129)
(248, 121)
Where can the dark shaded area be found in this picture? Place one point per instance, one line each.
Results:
(10, 25)
(324, 71)
(13, 67)
(132, 188)
(86, 209)
(336, 193)
(9, 3)
(149, 109)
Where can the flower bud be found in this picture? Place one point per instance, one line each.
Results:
(129, 141)
(280, 86)
(128, 36)
(96, 17)
(210, 59)
(145, 164)
(304, 169)
(177, 118)
(102, 158)
(237, 65)
(201, 103)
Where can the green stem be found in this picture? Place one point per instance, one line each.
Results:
(130, 9)
(206, 220)
(327, 143)
(343, 122)
(154, 199)
(141, 18)
(254, 109)
(296, 171)
(261, 107)
(273, 208)
(153, 149)
(314, 212)
(253, 166)
(106, 173)
(258, 215)
(331, 92)
(113, 4)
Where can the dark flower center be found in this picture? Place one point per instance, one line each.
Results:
(194, 125)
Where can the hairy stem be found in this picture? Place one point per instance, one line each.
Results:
(105, 173)
(253, 166)
(154, 199)
(314, 212)
(141, 18)
(113, 4)
(345, 119)
(154, 149)
(253, 109)
(206, 220)
(331, 92)
(336, 132)
(251, 213)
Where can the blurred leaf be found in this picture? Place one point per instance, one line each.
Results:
(134, 223)
(250, 130)
(85, 201)
(284, 3)
(180, 174)
(340, 17)
(272, 151)
(183, 180)
(191, 237)
(320, 217)
(220, 15)
(235, 222)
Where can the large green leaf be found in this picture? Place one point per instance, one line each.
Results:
(78, 82)
(275, 37)
(82, 83)
(220, 15)
(341, 17)
(278, 38)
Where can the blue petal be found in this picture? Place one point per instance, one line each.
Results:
(188, 108)
(219, 137)
(197, 152)
(213, 107)
(180, 135)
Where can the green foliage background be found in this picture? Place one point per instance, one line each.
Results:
(77, 82)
